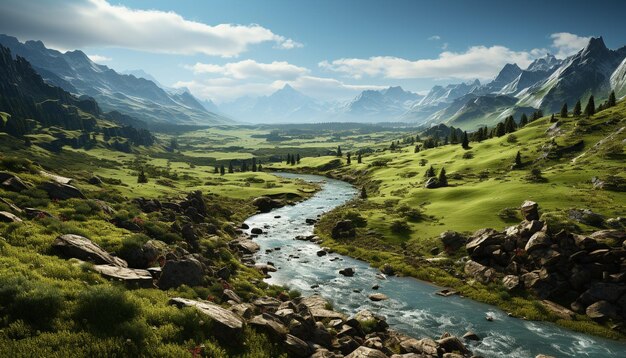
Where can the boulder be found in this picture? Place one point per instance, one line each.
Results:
(296, 347)
(452, 240)
(343, 229)
(471, 336)
(245, 246)
(365, 352)
(479, 272)
(130, 277)
(586, 216)
(424, 346)
(187, 271)
(369, 317)
(229, 325)
(378, 297)
(538, 240)
(559, 310)
(348, 272)
(94, 180)
(75, 246)
(56, 178)
(61, 191)
(452, 344)
(482, 241)
(14, 183)
(318, 306)
(7, 217)
(273, 327)
(432, 183)
(601, 311)
(510, 282)
(529, 210)
(265, 204)
(256, 231)
(388, 270)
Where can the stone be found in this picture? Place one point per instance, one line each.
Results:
(274, 328)
(231, 295)
(378, 297)
(348, 272)
(296, 347)
(469, 335)
(479, 272)
(388, 270)
(62, 191)
(56, 178)
(75, 246)
(432, 183)
(367, 316)
(452, 240)
(538, 240)
(187, 271)
(245, 246)
(482, 240)
(318, 307)
(601, 311)
(14, 183)
(529, 210)
(7, 217)
(229, 325)
(452, 344)
(365, 352)
(558, 310)
(510, 282)
(131, 277)
(425, 346)
(94, 180)
(343, 229)
(265, 204)
(321, 253)
(256, 231)
(586, 216)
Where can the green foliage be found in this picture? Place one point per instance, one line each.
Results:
(106, 309)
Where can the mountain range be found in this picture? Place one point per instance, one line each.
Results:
(135, 96)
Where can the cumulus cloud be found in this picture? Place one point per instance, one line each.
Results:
(252, 69)
(99, 58)
(567, 44)
(477, 62)
(84, 23)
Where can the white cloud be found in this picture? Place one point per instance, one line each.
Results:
(434, 38)
(252, 69)
(90, 23)
(477, 62)
(99, 58)
(567, 44)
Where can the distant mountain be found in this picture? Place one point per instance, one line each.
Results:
(584, 74)
(508, 74)
(137, 97)
(438, 98)
(139, 73)
(618, 80)
(545, 63)
(381, 105)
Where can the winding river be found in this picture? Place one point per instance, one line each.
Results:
(413, 307)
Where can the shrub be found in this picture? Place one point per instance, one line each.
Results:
(356, 218)
(400, 227)
(18, 164)
(511, 138)
(38, 306)
(468, 155)
(105, 308)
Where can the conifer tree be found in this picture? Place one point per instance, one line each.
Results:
(230, 167)
(590, 108)
(552, 119)
(254, 164)
(298, 158)
(577, 109)
(216, 169)
(142, 178)
(417, 148)
(244, 166)
(293, 160)
(363, 193)
(259, 168)
(500, 129)
(612, 101)
(465, 142)
(564, 111)
(392, 146)
(518, 160)
(523, 120)
(358, 158)
(222, 170)
(348, 155)
(430, 172)
(339, 151)
(443, 180)
(453, 137)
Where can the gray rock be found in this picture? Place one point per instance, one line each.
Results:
(538, 240)
(296, 347)
(348, 272)
(365, 352)
(265, 204)
(601, 311)
(130, 277)
(187, 271)
(14, 183)
(245, 246)
(343, 229)
(229, 325)
(75, 246)
(452, 240)
(529, 210)
(471, 336)
(7, 217)
(62, 191)
(367, 316)
(510, 282)
(479, 272)
(378, 297)
(273, 327)
(452, 344)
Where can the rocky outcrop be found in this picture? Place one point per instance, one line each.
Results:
(75, 246)
(59, 191)
(130, 277)
(12, 182)
(7, 217)
(265, 204)
(580, 270)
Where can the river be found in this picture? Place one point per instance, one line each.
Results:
(413, 307)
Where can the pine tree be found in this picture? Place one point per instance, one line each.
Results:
(518, 160)
(298, 158)
(443, 180)
(590, 108)
(552, 118)
(358, 158)
(288, 158)
(430, 172)
(348, 155)
(244, 166)
(453, 137)
(230, 167)
(564, 111)
(577, 109)
(612, 101)
(465, 142)
(293, 160)
(500, 129)
(523, 120)
(216, 170)
(142, 178)
(222, 170)
(417, 148)
(363, 193)
(259, 168)
(254, 164)
(339, 151)
(392, 146)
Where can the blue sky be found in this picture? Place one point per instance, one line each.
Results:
(327, 49)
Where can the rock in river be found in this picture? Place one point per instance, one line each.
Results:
(378, 297)
(348, 272)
